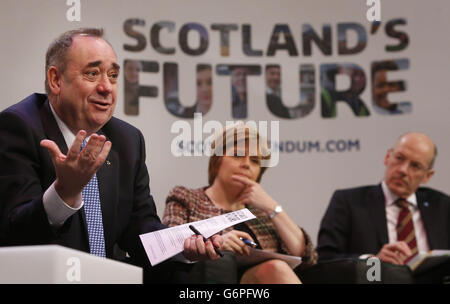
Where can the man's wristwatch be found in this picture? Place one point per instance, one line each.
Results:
(278, 209)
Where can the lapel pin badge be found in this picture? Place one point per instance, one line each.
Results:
(426, 204)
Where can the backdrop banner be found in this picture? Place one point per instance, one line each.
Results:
(331, 84)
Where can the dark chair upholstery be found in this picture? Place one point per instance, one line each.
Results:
(354, 271)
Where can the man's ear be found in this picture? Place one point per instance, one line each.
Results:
(427, 177)
(387, 156)
(54, 80)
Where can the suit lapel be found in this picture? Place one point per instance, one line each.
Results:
(427, 212)
(108, 185)
(51, 128)
(377, 212)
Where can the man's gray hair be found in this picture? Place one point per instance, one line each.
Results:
(57, 50)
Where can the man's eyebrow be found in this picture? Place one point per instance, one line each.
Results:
(99, 62)
(94, 64)
(116, 66)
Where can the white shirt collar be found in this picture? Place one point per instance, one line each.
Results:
(68, 135)
(390, 197)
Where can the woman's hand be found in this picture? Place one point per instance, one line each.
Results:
(253, 194)
(232, 242)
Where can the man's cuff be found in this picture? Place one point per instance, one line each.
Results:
(57, 210)
(365, 256)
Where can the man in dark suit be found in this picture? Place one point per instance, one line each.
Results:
(362, 222)
(46, 164)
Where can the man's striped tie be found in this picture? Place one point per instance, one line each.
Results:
(405, 228)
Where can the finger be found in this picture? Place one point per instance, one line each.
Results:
(388, 254)
(94, 145)
(210, 251)
(200, 245)
(74, 150)
(404, 248)
(187, 248)
(232, 243)
(236, 247)
(243, 201)
(217, 241)
(247, 193)
(387, 259)
(401, 247)
(394, 257)
(226, 247)
(240, 246)
(243, 179)
(192, 246)
(243, 198)
(242, 234)
(89, 152)
(99, 144)
(396, 254)
(53, 149)
(186, 244)
(103, 154)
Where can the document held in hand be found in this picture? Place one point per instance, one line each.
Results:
(163, 244)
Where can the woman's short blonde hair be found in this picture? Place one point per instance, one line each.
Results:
(238, 135)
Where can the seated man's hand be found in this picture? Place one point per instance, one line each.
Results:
(394, 253)
(196, 250)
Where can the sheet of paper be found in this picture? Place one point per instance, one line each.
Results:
(163, 244)
(257, 256)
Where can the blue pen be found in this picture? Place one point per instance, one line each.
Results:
(249, 243)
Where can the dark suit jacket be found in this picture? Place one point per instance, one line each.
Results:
(26, 171)
(355, 222)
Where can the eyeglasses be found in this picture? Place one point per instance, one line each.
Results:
(414, 166)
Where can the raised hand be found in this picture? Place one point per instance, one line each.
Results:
(253, 194)
(74, 170)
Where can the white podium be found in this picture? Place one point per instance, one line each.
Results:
(56, 264)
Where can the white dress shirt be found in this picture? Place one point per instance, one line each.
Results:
(392, 212)
(57, 210)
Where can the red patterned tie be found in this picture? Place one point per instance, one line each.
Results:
(405, 228)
